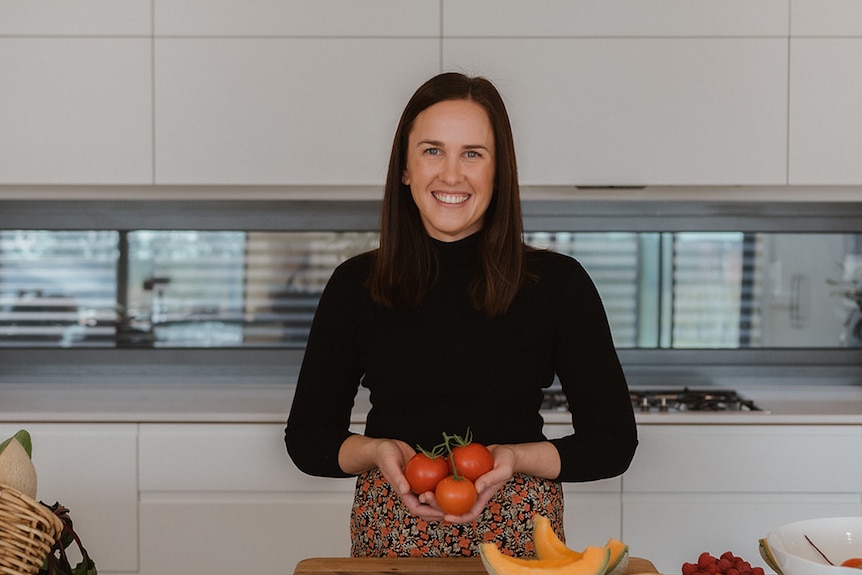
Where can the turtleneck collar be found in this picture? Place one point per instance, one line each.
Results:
(459, 252)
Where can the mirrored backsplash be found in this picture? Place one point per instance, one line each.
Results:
(161, 288)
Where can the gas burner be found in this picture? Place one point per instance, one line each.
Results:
(685, 399)
(670, 401)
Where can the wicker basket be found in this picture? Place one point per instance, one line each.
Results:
(28, 531)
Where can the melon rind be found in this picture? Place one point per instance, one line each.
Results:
(619, 557)
(766, 553)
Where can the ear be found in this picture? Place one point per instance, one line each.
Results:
(405, 177)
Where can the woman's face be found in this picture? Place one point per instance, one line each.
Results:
(450, 168)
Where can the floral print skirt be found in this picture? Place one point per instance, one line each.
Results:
(381, 526)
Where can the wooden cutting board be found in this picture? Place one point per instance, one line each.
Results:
(417, 566)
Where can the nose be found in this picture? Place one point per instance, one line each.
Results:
(451, 173)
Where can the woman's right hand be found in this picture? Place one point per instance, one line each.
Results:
(359, 453)
(393, 457)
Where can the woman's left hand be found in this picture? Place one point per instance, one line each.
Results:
(487, 485)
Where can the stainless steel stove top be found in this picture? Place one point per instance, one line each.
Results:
(671, 400)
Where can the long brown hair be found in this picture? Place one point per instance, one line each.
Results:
(406, 262)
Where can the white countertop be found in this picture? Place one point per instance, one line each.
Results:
(255, 403)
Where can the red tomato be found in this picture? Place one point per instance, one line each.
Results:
(455, 495)
(853, 562)
(424, 473)
(472, 460)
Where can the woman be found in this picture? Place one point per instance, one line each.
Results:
(454, 324)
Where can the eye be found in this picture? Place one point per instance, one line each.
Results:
(473, 154)
(432, 151)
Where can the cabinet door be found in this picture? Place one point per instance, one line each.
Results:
(654, 111)
(720, 488)
(825, 18)
(92, 470)
(324, 18)
(220, 533)
(597, 18)
(304, 111)
(593, 512)
(746, 459)
(825, 116)
(672, 529)
(592, 509)
(225, 499)
(76, 110)
(81, 18)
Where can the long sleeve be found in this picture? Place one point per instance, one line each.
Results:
(329, 377)
(592, 378)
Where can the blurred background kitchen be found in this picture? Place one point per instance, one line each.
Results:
(179, 178)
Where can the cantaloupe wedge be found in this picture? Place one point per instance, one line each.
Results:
(16, 468)
(619, 558)
(593, 561)
(546, 542)
(549, 546)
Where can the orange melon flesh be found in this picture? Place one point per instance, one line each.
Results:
(593, 562)
(546, 542)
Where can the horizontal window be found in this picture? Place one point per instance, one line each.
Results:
(161, 288)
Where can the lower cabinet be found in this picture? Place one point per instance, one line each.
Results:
(223, 499)
(592, 510)
(722, 487)
(178, 499)
(92, 469)
(234, 532)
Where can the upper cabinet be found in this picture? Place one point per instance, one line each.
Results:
(626, 92)
(614, 18)
(75, 110)
(826, 118)
(319, 18)
(640, 111)
(76, 103)
(80, 18)
(825, 91)
(308, 92)
(825, 18)
(301, 111)
(300, 92)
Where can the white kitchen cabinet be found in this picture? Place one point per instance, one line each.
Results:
(825, 18)
(304, 111)
(332, 18)
(642, 111)
(80, 18)
(671, 530)
(75, 111)
(569, 18)
(592, 509)
(825, 116)
(92, 470)
(250, 533)
(225, 499)
(720, 488)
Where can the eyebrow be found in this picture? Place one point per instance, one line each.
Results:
(439, 144)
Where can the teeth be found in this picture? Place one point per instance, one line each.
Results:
(451, 198)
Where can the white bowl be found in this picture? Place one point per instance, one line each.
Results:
(839, 538)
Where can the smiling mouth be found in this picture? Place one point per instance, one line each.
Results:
(450, 198)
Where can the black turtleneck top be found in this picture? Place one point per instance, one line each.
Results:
(445, 367)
